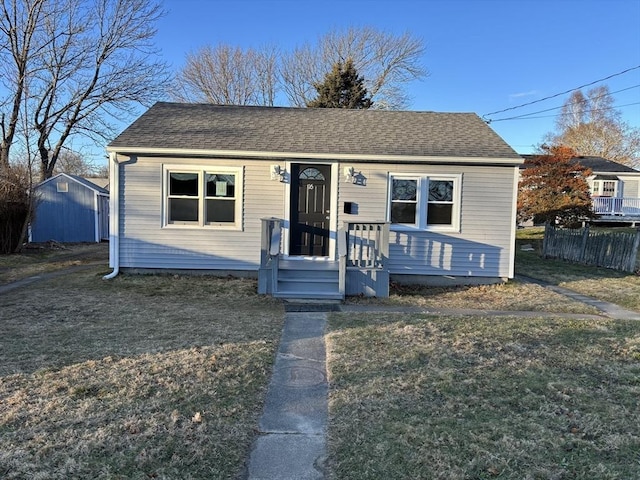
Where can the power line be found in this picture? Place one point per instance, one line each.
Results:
(522, 117)
(586, 100)
(559, 94)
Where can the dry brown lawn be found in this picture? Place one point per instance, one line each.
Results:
(164, 377)
(459, 398)
(48, 257)
(511, 296)
(134, 378)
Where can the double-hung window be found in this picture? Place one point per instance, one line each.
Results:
(203, 197)
(605, 188)
(424, 202)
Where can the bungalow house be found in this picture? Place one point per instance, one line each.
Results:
(70, 209)
(315, 202)
(615, 190)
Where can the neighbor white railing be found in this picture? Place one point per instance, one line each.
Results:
(616, 206)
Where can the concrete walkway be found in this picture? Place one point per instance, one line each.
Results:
(610, 310)
(292, 440)
(291, 444)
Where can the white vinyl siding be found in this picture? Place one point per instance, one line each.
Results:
(630, 187)
(481, 246)
(147, 243)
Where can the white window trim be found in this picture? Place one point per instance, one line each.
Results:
(202, 171)
(422, 199)
(597, 187)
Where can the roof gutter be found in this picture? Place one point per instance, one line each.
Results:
(351, 157)
(114, 220)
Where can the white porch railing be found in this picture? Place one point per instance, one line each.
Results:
(367, 254)
(362, 251)
(621, 206)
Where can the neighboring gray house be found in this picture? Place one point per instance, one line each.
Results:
(268, 191)
(615, 189)
(70, 209)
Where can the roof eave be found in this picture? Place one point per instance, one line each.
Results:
(351, 157)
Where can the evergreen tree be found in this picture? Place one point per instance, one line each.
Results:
(342, 88)
(554, 188)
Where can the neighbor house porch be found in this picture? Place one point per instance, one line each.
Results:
(359, 266)
(617, 209)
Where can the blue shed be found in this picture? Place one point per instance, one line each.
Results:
(70, 209)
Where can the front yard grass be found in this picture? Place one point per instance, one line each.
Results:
(417, 396)
(37, 259)
(164, 377)
(511, 296)
(135, 378)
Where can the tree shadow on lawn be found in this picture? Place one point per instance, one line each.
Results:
(138, 377)
(81, 317)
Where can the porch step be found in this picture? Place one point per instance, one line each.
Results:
(308, 280)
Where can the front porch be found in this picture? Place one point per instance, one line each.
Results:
(359, 266)
(617, 209)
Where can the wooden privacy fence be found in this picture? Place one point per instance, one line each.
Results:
(617, 250)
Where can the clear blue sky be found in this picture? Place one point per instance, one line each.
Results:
(483, 55)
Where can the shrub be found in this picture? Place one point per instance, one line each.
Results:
(14, 207)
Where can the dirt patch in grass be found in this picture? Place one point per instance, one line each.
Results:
(48, 257)
(511, 296)
(138, 377)
(413, 396)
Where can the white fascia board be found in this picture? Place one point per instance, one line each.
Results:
(347, 157)
(70, 178)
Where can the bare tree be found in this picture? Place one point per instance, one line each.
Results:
(83, 64)
(101, 64)
(73, 163)
(386, 61)
(591, 125)
(20, 24)
(228, 75)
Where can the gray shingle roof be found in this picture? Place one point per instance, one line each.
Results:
(597, 164)
(317, 131)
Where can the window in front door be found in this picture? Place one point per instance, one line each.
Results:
(310, 209)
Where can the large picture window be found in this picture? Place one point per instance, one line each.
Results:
(203, 197)
(424, 202)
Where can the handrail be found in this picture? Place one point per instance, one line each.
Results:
(269, 255)
(342, 243)
(342, 260)
(271, 240)
(276, 235)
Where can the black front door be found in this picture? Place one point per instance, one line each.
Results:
(310, 209)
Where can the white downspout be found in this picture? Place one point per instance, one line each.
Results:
(514, 223)
(114, 220)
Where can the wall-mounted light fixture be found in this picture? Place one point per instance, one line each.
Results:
(278, 173)
(348, 174)
(351, 176)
